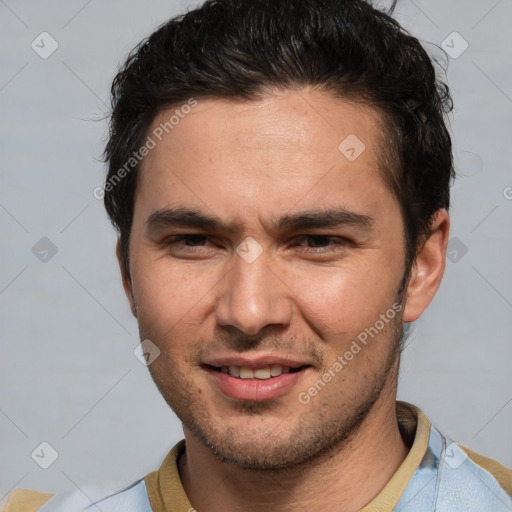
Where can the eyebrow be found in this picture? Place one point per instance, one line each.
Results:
(311, 219)
(331, 218)
(186, 218)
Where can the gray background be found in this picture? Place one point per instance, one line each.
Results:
(68, 375)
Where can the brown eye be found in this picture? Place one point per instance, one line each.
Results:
(192, 240)
(320, 243)
(190, 246)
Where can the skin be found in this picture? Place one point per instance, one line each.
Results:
(306, 297)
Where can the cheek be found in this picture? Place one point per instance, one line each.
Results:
(172, 299)
(344, 301)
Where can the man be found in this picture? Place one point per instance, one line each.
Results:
(279, 176)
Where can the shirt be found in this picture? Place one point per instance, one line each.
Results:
(438, 475)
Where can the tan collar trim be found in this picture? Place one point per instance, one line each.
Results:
(389, 497)
(26, 500)
(165, 492)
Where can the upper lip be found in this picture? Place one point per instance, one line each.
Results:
(255, 361)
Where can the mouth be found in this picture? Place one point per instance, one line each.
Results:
(254, 382)
(261, 373)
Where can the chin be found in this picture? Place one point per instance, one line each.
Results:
(264, 442)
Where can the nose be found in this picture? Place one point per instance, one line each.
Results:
(253, 297)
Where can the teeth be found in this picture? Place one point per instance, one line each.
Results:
(234, 371)
(266, 372)
(262, 373)
(246, 373)
(276, 370)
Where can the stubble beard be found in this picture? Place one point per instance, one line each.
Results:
(307, 443)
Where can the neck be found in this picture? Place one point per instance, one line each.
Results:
(351, 475)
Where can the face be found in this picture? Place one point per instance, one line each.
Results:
(265, 264)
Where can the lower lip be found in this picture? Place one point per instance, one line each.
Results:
(256, 390)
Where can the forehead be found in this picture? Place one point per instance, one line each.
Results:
(271, 153)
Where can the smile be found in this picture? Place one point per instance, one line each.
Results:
(263, 373)
(254, 384)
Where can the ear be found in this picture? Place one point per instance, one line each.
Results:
(127, 282)
(428, 268)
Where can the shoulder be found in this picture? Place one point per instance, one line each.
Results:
(449, 477)
(500, 473)
(470, 482)
(133, 497)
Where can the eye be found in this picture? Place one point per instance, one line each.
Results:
(189, 240)
(193, 245)
(320, 243)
